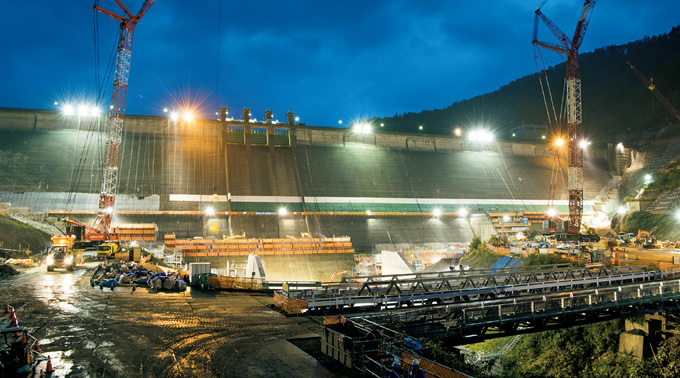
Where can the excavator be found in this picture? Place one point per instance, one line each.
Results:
(646, 240)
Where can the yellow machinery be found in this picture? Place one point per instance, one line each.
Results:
(60, 254)
(107, 250)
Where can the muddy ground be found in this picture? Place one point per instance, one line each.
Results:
(93, 333)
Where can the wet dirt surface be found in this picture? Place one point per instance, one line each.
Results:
(89, 332)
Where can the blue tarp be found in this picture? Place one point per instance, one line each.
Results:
(505, 262)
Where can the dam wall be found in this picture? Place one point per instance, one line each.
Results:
(46, 157)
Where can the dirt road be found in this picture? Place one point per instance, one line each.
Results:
(93, 333)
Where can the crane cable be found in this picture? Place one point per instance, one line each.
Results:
(100, 84)
(557, 117)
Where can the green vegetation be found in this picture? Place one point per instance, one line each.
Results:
(544, 259)
(585, 351)
(665, 181)
(617, 101)
(663, 226)
(480, 256)
(489, 346)
(18, 235)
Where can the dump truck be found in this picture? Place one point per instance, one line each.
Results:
(107, 250)
(60, 254)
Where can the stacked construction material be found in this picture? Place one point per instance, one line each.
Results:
(515, 221)
(135, 232)
(244, 247)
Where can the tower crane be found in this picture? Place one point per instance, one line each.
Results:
(569, 49)
(101, 229)
(650, 85)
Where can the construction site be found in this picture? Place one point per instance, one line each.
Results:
(234, 246)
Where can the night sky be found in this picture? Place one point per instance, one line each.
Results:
(324, 60)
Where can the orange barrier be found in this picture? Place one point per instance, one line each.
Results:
(243, 247)
(291, 306)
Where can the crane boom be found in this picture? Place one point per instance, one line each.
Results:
(107, 198)
(574, 114)
(650, 85)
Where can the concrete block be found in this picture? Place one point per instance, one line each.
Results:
(633, 344)
(418, 143)
(449, 144)
(391, 141)
(395, 263)
(326, 137)
(365, 139)
(523, 149)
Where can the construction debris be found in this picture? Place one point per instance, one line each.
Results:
(23, 262)
(7, 270)
(112, 275)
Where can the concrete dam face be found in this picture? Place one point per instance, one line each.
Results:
(170, 172)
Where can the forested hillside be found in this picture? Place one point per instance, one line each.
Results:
(615, 102)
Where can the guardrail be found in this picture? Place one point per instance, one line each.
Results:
(468, 318)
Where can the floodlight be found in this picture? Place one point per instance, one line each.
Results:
(481, 136)
(68, 110)
(362, 128)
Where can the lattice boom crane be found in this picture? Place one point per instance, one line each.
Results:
(569, 49)
(107, 198)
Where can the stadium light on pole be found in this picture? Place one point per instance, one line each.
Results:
(480, 136)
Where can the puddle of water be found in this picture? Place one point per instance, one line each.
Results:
(60, 362)
(103, 344)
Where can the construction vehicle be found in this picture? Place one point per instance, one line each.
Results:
(107, 250)
(646, 240)
(60, 254)
(627, 238)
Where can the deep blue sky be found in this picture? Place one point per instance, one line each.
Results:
(325, 60)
